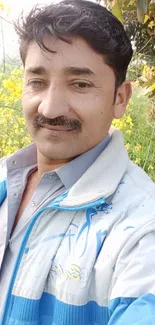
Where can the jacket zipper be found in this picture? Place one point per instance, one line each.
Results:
(55, 206)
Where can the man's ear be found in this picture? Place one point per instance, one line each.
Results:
(123, 95)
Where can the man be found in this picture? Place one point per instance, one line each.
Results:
(77, 218)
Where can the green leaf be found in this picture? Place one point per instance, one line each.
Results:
(140, 16)
(116, 10)
(131, 3)
(151, 24)
(146, 19)
(142, 5)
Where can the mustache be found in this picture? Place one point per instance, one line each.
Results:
(40, 120)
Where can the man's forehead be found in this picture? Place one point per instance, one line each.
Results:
(76, 55)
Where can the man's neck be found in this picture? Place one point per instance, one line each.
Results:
(47, 165)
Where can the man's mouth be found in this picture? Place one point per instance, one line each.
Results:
(57, 128)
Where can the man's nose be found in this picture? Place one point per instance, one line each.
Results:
(53, 103)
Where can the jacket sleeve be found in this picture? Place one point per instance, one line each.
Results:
(132, 297)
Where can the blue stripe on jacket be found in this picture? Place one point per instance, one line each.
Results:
(50, 311)
(3, 191)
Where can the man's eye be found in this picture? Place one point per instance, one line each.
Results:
(36, 84)
(82, 85)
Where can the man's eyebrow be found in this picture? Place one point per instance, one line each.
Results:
(36, 70)
(78, 71)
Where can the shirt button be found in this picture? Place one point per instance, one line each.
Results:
(13, 162)
(33, 203)
(15, 195)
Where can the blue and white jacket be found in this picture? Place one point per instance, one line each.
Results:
(89, 257)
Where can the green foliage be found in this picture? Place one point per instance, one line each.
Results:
(141, 10)
(139, 131)
(116, 10)
(138, 18)
(13, 134)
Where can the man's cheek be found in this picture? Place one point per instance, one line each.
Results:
(26, 92)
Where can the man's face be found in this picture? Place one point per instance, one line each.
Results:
(68, 97)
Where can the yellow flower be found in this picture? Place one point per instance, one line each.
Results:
(9, 84)
(150, 167)
(129, 132)
(137, 161)
(127, 146)
(137, 148)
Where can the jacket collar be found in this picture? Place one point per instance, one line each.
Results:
(103, 176)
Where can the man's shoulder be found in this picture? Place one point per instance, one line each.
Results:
(135, 197)
(133, 207)
(139, 181)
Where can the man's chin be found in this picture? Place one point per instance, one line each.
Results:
(53, 151)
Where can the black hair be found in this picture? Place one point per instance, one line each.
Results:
(89, 20)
